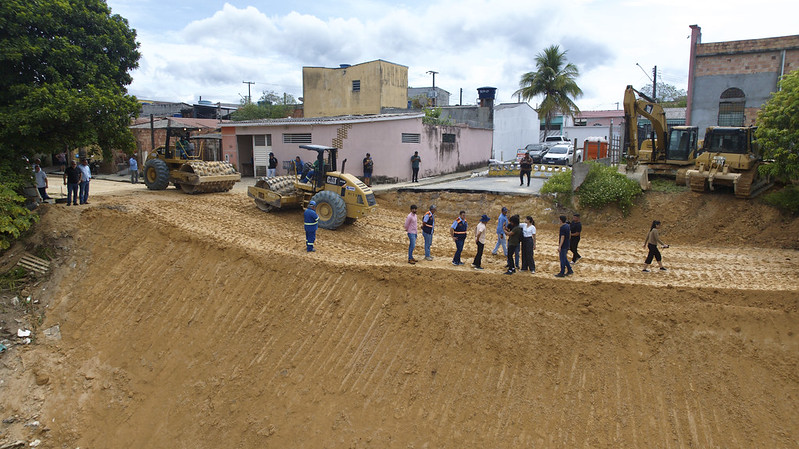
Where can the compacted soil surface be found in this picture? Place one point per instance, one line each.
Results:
(201, 322)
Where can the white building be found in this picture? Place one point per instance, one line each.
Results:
(515, 126)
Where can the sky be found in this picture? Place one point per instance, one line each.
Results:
(192, 49)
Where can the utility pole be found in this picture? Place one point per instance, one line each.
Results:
(249, 93)
(655, 84)
(434, 86)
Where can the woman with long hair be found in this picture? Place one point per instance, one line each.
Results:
(652, 242)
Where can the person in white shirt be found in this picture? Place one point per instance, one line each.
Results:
(41, 182)
(480, 240)
(528, 244)
(83, 187)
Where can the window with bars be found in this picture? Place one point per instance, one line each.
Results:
(297, 138)
(411, 138)
(356, 85)
(732, 107)
(262, 140)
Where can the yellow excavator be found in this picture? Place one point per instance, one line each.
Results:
(178, 164)
(668, 151)
(729, 157)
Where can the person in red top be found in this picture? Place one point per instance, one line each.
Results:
(411, 226)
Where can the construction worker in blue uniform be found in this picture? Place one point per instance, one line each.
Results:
(458, 233)
(311, 225)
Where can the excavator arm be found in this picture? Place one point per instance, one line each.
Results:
(648, 108)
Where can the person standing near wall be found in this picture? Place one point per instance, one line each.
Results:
(411, 227)
(134, 169)
(458, 233)
(272, 168)
(368, 166)
(415, 161)
(427, 230)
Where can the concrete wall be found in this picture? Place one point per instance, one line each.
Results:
(754, 66)
(474, 116)
(328, 92)
(381, 138)
(515, 126)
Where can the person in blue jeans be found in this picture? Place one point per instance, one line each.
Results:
(458, 233)
(427, 230)
(563, 248)
(83, 186)
(72, 177)
(411, 228)
(501, 223)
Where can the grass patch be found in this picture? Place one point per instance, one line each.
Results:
(13, 278)
(786, 199)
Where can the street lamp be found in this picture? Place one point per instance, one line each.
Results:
(654, 81)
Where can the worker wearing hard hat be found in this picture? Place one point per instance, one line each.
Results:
(311, 224)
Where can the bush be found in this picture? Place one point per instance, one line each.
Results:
(786, 199)
(559, 184)
(604, 185)
(14, 217)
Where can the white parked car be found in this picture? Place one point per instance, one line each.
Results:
(551, 141)
(562, 155)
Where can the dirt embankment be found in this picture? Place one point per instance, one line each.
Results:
(199, 321)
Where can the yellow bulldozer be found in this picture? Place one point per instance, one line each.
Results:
(340, 197)
(668, 151)
(183, 165)
(729, 157)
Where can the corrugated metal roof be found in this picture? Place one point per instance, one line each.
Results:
(326, 120)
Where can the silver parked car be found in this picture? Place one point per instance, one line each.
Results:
(537, 151)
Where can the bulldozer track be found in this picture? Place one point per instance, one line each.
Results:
(698, 183)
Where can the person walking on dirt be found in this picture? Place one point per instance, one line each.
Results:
(563, 248)
(311, 220)
(72, 178)
(652, 242)
(368, 166)
(525, 168)
(41, 182)
(415, 161)
(458, 233)
(528, 244)
(86, 176)
(411, 227)
(514, 232)
(270, 172)
(427, 230)
(480, 240)
(574, 239)
(501, 223)
(134, 169)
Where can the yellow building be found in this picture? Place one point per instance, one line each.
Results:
(354, 90)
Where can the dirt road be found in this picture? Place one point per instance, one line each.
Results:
(199, 321)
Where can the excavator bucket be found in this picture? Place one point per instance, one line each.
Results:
(639, 174)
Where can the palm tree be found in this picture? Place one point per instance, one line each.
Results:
(554, 78)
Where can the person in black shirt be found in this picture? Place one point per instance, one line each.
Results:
(574, 240)
(525, 168)
(72, 177)
(270, 173)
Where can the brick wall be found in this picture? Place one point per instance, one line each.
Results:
(747, 57)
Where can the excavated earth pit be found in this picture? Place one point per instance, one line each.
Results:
(200, 322)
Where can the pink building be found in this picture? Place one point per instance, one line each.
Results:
(391, 139)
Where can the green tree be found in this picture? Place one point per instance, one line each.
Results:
(778, 130)
(669, 96)
(555, 79)
(64, 68)
(270, 105)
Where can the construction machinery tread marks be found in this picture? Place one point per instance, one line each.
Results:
(331, 208)
(156, 174)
